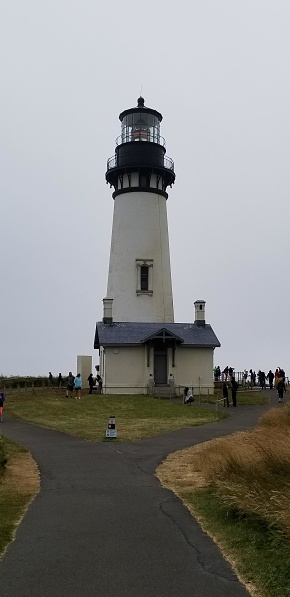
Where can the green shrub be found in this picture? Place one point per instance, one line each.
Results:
(22, 381)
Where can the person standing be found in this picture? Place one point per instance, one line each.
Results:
(50, 379)
(225, 394)
(245, 377)
(70, 385)
(91, 383)
(2, 400)
(226, 372)
(263, 380)
(234, 388)
(59, 381)
(281, 388)
(78, 385)
(100, 384)
(270, 378)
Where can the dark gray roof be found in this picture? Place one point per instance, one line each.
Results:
(132, 333)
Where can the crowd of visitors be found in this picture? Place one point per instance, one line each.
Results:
(250, 378)
(74, 384)
(227, 377)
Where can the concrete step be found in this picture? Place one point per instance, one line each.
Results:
(164, 391)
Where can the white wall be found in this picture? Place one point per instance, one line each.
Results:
(124, 371)
(192, 364)
(140, 231)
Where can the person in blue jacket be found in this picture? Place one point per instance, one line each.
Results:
(78, 385)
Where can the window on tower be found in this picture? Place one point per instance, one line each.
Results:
(144, 182)
(144, 270)
(144, 277)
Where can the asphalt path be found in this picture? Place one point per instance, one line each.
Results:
(102, 525)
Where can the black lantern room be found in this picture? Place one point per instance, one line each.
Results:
(140, 163)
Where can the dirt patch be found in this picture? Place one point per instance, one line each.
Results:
(22, 475)
(19, 485)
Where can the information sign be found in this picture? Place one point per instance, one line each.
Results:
(111, 432)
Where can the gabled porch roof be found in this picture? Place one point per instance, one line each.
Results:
(136, 333)
(162, 334)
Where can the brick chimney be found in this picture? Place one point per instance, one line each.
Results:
(199, 313)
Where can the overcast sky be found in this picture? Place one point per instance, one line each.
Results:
(218, 71)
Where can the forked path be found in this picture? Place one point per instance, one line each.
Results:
(102, 525)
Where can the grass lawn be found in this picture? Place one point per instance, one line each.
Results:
(19, 482)
(243, 397)
(260, 552)
(137, 417)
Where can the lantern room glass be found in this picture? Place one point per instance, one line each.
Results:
(140, 126)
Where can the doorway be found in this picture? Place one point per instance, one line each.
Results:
(160, 366)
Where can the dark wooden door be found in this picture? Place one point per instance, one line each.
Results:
(160, 367)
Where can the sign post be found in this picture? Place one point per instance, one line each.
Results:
(111, 431)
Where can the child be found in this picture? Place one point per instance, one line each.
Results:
(2, 399)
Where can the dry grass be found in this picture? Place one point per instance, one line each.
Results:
(249, 471)
(18, 486)
(248, 474)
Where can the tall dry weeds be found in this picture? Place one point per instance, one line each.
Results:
(251, 471)
(276, 417)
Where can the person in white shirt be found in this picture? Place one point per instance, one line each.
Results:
(188, 397)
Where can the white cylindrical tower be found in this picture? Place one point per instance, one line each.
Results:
(139, 280)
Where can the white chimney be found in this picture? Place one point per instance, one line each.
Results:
(199, 312)
(108, 310)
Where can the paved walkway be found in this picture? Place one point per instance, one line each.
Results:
(102, 525)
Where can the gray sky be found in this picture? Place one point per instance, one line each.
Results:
(218, 71)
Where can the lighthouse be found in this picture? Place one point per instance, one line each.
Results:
(139, 279)
(140, 346)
